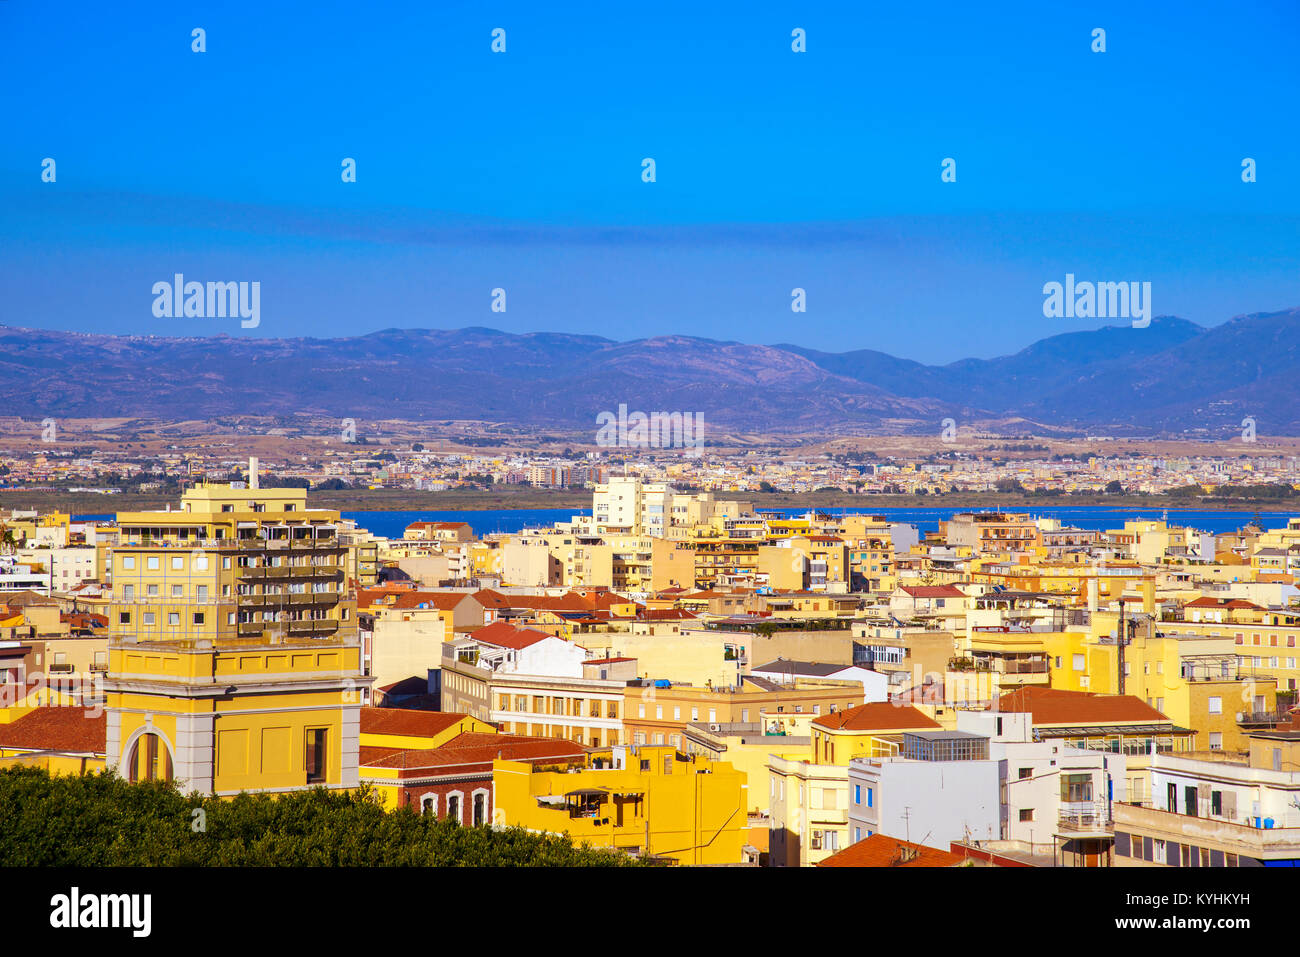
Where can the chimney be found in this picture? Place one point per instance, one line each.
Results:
(252, 472)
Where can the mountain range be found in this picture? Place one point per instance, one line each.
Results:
(1173, 377)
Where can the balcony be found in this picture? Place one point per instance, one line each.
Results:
(1084, 817)
(1278, 843)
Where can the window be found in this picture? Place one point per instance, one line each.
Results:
(198, 618)
(151, 563)
(1216, 740)
(480, 808)
(659, 712)
(128, 592)
(128, 561)
(1026, 814)
(695, 714)
(453, 807)
(173, 618)
(178, 591)
(1078, 663)
(1025, 773)
(149, 760)
(152, 590)
(871, 797)
(640, 711)
(315, 757)
(124, 618)
(429, 804)
(148, 618)
(1216, 705)
(713, 715)
(857, 794)
(677, 714)
(178, 562)
(202, 593)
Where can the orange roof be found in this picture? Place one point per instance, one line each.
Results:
(479, 749)
(880, 850)
(933, 591)
(442, 600)
(406, 721)
(877, 716)
(505, 635)
(1053, 706)
(55, 729)
(1208, 602)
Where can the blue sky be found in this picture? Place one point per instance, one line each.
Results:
(522, 170)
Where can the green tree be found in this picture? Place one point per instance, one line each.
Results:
(100, 820)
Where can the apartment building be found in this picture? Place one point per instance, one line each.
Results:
(234, 660)
(652, 802)
(1210, 809)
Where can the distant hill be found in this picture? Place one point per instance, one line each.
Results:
(1173, 376)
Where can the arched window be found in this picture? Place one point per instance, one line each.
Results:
(429, 804)
(149, 759)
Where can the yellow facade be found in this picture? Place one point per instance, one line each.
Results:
(659, 805)
(234, 662)
(242, 716)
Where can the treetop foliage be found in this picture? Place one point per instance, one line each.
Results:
(101, 820)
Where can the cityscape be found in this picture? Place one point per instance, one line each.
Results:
(705, 443)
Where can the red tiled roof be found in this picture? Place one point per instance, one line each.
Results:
(876, 716)
(1207, 602)
(505, 635)
(491, 599)
(933, 591)
(880, 850)
(442, 600)
(55, 729)
(406, 721)
(1053, 706)
(478, 750)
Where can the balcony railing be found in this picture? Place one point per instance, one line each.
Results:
(1084, 815)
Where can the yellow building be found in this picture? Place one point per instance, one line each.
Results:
(242, 715)
(653, 802)
(873, 730)
(234, 662)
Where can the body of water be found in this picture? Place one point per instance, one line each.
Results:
(392, 524)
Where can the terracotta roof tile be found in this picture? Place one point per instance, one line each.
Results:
(405, 721)
(1053, 706)
(880, 850)
(55, 729)
(876, 716)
